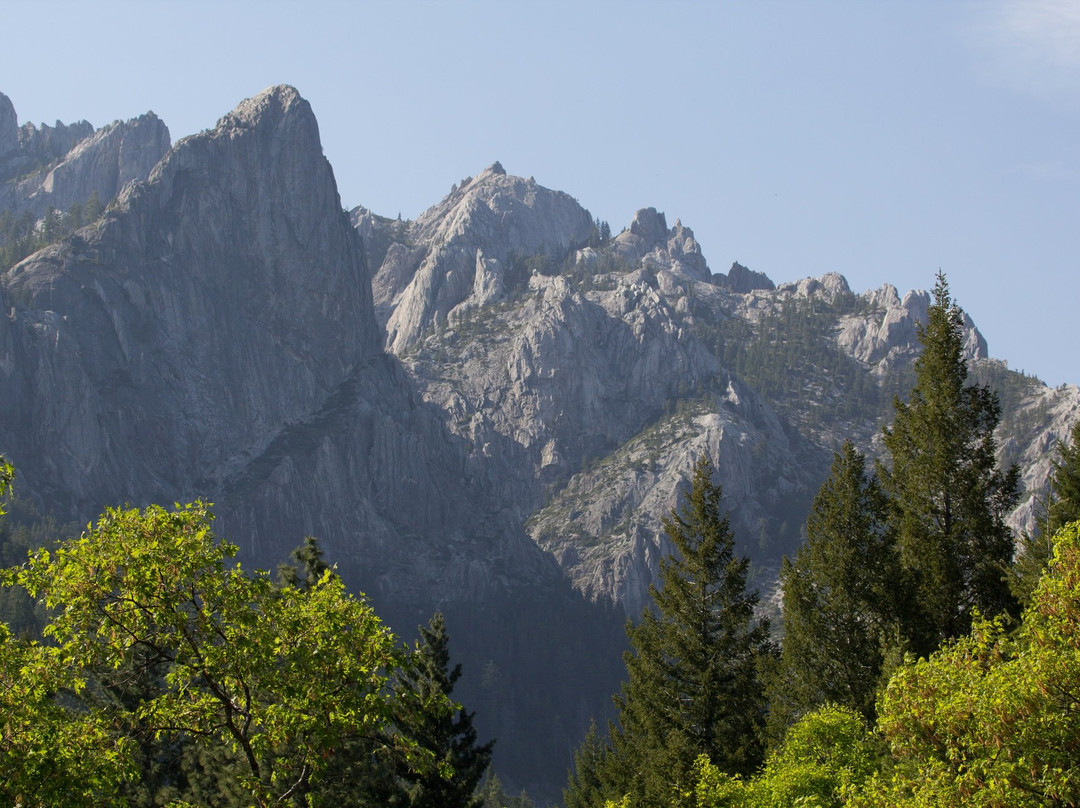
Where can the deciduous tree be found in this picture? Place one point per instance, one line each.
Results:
(281, 677)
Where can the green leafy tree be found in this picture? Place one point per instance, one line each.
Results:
(277, 676)
(840, 595)
(692, 686)
(373, 772)
(992, 719)
(50, 755)
(7, 477)
(948, 497)
(827, 757)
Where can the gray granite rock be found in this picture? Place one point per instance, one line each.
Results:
(9, 128)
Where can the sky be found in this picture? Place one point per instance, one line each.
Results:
(882, 140)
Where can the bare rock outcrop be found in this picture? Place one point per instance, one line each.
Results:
(105, 162)
(649, 243)
(9, 128)
(887, 333)
(484, 229)
(605, 529)
(214, 336)
(743, 280)
(58, 166)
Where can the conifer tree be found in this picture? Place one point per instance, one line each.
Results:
(948, 498)
(692, 684)
(447, 733)
(840, 599)
(585, 787)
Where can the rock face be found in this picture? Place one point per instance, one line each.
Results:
(58, 166)
(552, 382)
(9, 128)
(563, 390)
(214, 336)
(610, 545)
(743, 280)
(888, 334)
(221, 333)
(106, 161)
(130, 308)
(468, 245)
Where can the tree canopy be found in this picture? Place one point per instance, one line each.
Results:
(280, 678)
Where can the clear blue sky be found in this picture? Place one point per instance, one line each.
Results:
(882, 140)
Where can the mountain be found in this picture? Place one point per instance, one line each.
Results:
(44, 167)
(214, 336)
(587, 376)
(485, 411)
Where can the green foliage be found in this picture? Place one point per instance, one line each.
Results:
(278, 676)
(492, 795)
(840, 602)
(826, 758)
(22, 235)
(7, 477)
(992, 719)
(446, 732)
(585, 786)
(51, 755)
(949, 499)
(692, 685)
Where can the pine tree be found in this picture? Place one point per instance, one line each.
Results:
(448, 734)
(307, 567)
(948, 498)
(692, 684)
(840, 599)
(585, 787)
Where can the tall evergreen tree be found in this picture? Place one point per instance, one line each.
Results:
(448, 733)
(585, 787)
(840, 595)
(692, 684)
(948, 497)
(371, 771)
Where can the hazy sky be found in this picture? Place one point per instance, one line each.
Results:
(882, 140)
